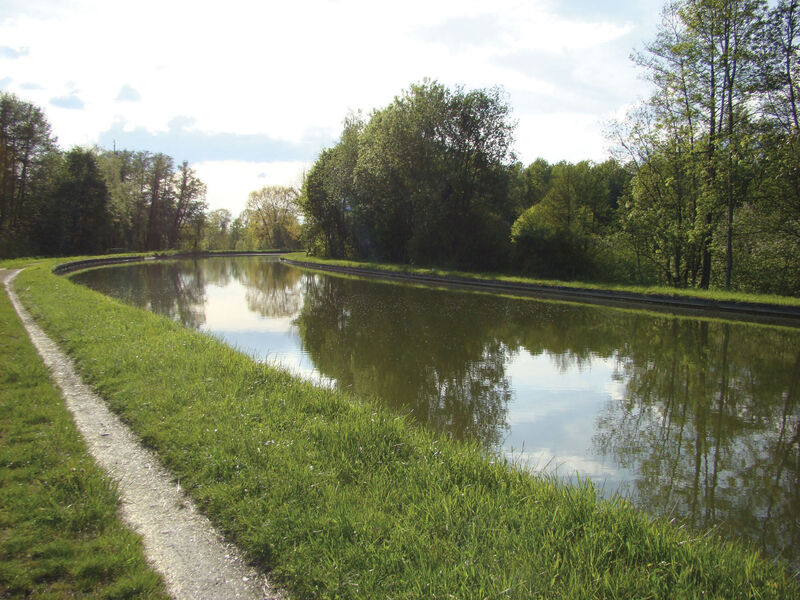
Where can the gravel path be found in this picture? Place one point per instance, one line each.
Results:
(179, 542)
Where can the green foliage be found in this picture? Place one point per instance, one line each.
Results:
(545, 248)
(74, 218)
(88, 200)
(271, 217)
(424, 180)
(562, 235)
(27, 150)
(714, 195)
(186, 215)
(218, 234)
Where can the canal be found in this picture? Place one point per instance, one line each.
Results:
(688, 418)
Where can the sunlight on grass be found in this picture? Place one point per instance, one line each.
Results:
(60, 532)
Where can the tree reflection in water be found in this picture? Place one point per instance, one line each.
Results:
(175, 289)
(273, 289)
(710, 425)
(402, 345)
(707, 423)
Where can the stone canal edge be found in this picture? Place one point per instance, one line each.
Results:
(771, 314)
(180, 543)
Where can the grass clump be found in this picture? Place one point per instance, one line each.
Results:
(340, 498)
(60, 533)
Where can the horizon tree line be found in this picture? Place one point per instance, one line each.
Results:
(703, 190)
(93, 200)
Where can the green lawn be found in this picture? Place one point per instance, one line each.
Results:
(60, 532)
(340, 498)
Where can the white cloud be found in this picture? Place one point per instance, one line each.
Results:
(291, 71)
(561, 136)
(68, 101)
(12, 53)
(128, 94)
(230, 182)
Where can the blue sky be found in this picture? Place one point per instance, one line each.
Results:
(250, 92)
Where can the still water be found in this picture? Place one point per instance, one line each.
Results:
(689, 418)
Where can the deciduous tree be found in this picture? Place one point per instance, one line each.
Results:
(272, 211)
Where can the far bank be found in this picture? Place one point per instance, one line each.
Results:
(760, 308)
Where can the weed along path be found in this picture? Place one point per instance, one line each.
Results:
(179, 541)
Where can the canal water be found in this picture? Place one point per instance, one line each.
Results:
(688, 418)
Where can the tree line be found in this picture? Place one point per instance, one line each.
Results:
(93, 201)
(88, 201)
(714, 151)
(704, 189)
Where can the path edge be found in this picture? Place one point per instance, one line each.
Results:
(180, 543)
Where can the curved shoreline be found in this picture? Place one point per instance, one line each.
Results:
(124, 326)
(762, 313)
(750, 312)
(87, 263)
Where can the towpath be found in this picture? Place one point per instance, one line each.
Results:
(196, 563)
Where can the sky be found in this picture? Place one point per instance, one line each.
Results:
(250, 92)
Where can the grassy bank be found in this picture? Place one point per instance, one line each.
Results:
(340, 498)
(60, 535)
(714, 295)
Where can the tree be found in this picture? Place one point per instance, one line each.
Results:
(74, 219)
(560, 236)
(272, 211)
(153, 205)
(329, 197)
(114, 167)
(538, 175)
(27, 149)
(159, 196)
(189, 204)
(779, 76)
(771, 248)
(424, 180)
(89, 200)
(218, 230)
(692, 137)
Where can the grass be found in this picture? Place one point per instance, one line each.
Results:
(713, 295)
(60, 533)
(340, 498)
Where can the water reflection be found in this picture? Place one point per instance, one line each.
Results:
(694, 419)
(709, 424)
(407, 347)
(175, 290)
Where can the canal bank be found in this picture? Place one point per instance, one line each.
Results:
(179, 542)
(687, 305)
(60, 531)
(563, 388)
(768, 313)
(306, 480)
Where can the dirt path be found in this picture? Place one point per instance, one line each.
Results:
(179, 542)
